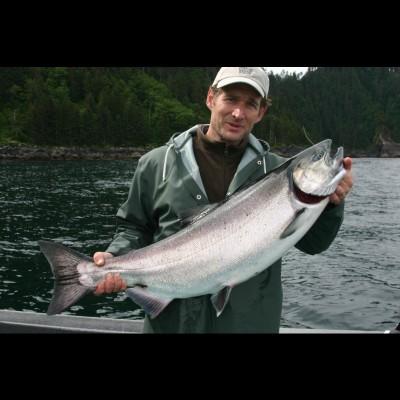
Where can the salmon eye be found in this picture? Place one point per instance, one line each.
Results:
(318, 156)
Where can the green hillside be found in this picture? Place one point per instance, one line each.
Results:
(143, 106)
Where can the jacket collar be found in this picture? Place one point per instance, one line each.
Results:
(182, 143)
(181, 139)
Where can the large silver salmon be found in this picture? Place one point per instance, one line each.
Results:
(220, 246)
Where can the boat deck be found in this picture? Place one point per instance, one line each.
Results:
(32, 322)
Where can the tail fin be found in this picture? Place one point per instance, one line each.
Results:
(67, 288)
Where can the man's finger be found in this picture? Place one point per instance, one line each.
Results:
(347, 162)
(99, 259)
(110, 283)
(101, 287)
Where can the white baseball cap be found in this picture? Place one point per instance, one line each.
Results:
(253, 76)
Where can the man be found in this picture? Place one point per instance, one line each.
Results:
(204, 165)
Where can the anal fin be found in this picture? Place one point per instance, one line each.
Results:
(150, 303)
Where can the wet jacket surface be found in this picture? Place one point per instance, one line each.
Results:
(166, 182)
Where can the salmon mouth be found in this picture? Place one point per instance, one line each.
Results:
(307, 198)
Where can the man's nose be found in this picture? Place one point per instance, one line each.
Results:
(238, 112)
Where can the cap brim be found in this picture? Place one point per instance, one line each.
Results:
(230, 81)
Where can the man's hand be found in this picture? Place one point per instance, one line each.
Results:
(345, 184)
(113, 282)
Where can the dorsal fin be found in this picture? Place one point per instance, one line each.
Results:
(194, 214)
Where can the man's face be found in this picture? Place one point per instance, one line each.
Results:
(234, 111)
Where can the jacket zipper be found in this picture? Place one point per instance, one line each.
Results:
(225, 156)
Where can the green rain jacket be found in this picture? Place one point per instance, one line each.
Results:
(167, 181)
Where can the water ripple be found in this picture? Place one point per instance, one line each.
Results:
(353, 285)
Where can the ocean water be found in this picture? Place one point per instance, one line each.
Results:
(355, 284)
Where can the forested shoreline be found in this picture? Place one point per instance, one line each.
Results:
(141, 107)
(385, 149)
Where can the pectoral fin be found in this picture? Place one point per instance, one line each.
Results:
(150, 303)
(220, 299)
(293, 226)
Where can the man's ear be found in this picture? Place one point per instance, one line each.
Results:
(210, 99)
(262, 112)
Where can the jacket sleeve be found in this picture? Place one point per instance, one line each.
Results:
(324, 231)
(135, 225)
